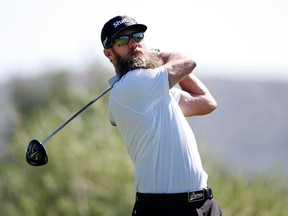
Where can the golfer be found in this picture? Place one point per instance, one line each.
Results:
(153, 93)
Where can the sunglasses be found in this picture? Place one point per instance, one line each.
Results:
(124, 39)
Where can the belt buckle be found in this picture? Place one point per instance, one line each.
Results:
(196, 196)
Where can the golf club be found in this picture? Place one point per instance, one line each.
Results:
(36, 154)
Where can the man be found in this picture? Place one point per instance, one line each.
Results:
(149, 112)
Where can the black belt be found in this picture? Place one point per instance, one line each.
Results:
(194, 196)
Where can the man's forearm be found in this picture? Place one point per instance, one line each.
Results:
(193, 85)
(196, 98)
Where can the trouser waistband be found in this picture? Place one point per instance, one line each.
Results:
(194, 196)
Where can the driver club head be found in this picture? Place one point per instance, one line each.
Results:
(36, 154)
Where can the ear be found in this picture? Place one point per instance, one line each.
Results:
(108, 54)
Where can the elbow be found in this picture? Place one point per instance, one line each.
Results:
(194, 64)
(212, 105)
(208, 106)
(205, 107)
(191, 65)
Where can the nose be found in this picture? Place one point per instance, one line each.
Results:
(132, 43)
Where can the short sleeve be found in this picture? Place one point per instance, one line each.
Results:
(176, 93)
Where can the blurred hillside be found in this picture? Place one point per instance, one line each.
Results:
(89, 171)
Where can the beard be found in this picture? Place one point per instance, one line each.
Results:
(144, 60)
(127, 64)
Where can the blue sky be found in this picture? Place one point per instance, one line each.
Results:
(227, 38)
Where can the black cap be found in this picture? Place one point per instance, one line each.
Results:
(117, 24)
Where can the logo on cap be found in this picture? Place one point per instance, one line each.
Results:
(125, 20)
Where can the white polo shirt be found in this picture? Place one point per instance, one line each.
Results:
(157, 136)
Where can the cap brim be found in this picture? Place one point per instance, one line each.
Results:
(140, 27)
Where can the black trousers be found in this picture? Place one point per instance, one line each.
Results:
(207, 207)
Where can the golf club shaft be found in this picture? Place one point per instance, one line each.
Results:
(76, 114)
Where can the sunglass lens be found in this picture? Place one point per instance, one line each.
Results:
(123, 40)
(138, 36)
(36, 154)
